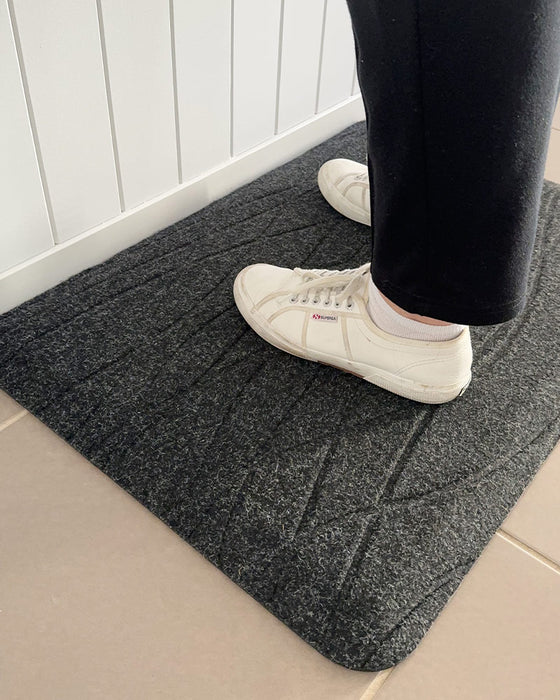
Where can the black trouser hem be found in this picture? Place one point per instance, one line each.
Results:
(452, 313)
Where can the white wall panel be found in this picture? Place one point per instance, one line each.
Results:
(300, 55)
(99, 243)
(338, 59)
(118, 101)
(203, 52)
(62, 60)
(25, 226)
(256, 28)
(138, 44)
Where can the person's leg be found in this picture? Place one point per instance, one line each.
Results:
(459, 98)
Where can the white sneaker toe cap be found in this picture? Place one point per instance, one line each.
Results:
(333, 170)
(345, 185)
(257, 281)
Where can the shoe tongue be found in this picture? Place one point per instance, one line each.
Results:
(326, 275)
(332, 273)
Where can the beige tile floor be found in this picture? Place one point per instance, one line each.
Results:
(99, 599)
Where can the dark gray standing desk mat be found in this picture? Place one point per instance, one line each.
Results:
(350, 513)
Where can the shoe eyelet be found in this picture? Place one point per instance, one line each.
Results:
(315, 301)
(293, 300)
(337, 304)
(349, 306)
(304, 301)
(327, 303)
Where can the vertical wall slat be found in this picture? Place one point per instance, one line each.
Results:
(301, 51)
(121, 100)
(25, 224)
(355, 83)
(256, 29)
(62, 60)
(138, 44)
(203, 51)
(338, 58)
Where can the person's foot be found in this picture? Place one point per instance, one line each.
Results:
(345, 185)
(321, 315)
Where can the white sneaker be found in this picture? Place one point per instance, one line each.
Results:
(345, 185)
(321, 315)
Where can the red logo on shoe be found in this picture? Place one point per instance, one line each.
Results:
(324, 317)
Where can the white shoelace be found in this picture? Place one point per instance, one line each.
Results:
(329, 286)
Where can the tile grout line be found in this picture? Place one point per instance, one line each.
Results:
(529, 550)
(382, 677)
(13, 419)
(377, 683)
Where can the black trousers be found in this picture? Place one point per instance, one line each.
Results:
(459, 98)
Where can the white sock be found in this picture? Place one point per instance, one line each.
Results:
(386, 318)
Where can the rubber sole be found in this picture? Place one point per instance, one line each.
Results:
(406, 388)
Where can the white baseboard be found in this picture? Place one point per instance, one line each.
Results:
(46, 270)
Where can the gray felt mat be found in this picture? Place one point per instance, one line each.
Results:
(350, 513)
